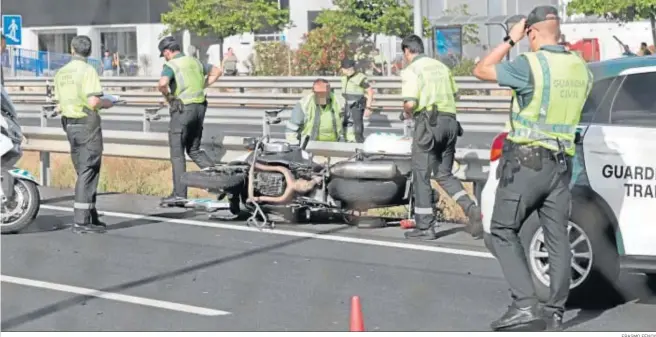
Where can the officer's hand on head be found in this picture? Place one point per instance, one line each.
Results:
(518, 31)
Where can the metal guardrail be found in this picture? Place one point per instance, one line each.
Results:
(387, 106)
(473, 165)
(282, 85)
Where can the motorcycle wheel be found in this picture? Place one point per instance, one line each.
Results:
(214, 180)
(20, 211)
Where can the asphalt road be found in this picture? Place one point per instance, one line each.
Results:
(175, 271)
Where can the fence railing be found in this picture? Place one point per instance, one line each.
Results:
(37, 63)
(472, 165)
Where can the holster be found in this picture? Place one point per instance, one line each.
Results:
(515, 156)
(176, 106)
(425, 121)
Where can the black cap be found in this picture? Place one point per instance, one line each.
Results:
(167, 43)
(541, 13)
(348, 64)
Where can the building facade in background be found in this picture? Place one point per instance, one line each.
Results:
(132, 28)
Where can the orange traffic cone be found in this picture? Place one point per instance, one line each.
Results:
(356, 314)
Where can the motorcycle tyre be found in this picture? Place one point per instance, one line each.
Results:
(34, 203)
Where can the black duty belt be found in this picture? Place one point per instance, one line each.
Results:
(69, 121)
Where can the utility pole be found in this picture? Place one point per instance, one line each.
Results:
(418, 19)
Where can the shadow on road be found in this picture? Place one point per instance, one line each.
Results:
(69, 198)
(62, 305)
(47, 223)
(634, 288)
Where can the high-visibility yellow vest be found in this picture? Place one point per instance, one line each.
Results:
(74, 83)
(353, 85)
(189, 79)
(562, 83)
(434, 82)
(329, 126)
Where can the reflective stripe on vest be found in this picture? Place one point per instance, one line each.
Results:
(353, 85)
(70, 86)
(561, 86)
(189, 79)
(322, 125)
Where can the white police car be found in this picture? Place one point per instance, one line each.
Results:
(613, 217)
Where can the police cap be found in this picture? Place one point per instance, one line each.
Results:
(348, 64)
(167, 43)
(541, 13)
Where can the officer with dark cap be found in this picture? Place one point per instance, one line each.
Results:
(358, 95)
(183, 82)
(550, 86)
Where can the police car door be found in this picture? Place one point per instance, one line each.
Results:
(620, 158)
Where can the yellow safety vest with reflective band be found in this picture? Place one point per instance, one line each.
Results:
(561, 83)
(435, 84)
(189, 79)
(353, 85)
(73, 82)
(330, 120)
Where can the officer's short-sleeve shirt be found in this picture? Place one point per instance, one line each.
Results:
(168, 72)
(409, 86)
(516, 74)
(92, 83)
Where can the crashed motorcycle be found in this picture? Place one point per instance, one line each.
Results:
(280, 178)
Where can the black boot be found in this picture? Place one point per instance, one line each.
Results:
(520, 319)
(475, 225)
(88, 228)
(554, 321)
(421, 234)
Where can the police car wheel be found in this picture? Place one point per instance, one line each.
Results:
(18, 213)
(595, 261)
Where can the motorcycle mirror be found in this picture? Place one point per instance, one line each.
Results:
(305, 141)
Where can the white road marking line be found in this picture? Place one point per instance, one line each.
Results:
(328, 237)
(114, 296)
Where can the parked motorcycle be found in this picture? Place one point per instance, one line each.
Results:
(277, 177)
(20, 195)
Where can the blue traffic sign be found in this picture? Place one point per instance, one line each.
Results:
(12, 29)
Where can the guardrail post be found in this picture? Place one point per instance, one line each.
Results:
(44, 164)
(146, 123)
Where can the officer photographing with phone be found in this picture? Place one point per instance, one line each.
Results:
(550, 86)
(183, 83)
(429, 94)
(79, 96)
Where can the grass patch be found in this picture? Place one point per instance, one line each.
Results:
(153, 177)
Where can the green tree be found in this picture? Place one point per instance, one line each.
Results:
(470, 34)
(367, 18)
(224, 18)
(620, 10)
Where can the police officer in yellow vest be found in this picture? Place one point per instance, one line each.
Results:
(359, 95)
(79, 98)
(183, 83)
(550, 86)
(429, 94)
(317, 115)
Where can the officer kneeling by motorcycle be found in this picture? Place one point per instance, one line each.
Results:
(318, 115)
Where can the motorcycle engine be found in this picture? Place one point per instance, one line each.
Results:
(270, 184)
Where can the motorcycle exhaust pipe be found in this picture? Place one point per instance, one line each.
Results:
(293, 185)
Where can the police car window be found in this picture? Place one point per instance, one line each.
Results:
(599, 89)
(635, 104)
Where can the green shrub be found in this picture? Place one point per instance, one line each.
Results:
(272, 59)
(320, 53)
